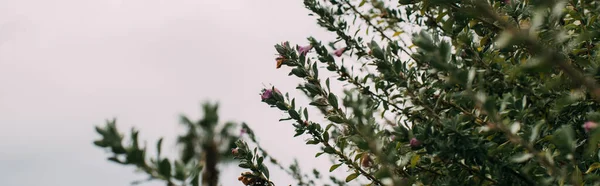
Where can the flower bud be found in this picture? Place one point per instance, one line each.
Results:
(339, 52)
(304, 50)
(589, 126)
(279, 60)
(268, 94)
(414, 142)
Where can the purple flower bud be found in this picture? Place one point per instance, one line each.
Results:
(268, 93)
(414, 142)
(339, 52)
(304, 50)
(589, 126)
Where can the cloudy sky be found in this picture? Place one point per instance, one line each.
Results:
(68, 65)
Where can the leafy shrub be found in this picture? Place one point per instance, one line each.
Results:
(486, 92)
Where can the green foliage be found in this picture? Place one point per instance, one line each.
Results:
(485, 92)
(489, 92)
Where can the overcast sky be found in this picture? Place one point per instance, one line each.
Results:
(67, 65)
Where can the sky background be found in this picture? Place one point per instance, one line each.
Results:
(68, 65)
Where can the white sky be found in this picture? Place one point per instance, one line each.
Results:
(67, 65)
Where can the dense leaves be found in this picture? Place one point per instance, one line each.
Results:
(488, 93)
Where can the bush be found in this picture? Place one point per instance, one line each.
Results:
(486, 92)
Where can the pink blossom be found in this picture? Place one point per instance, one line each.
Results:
(234, 151)
(304, 50)
(268, 93)
(339, 52)
(589, 126)
(414, 142)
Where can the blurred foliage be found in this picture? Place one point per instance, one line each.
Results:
(203, 147)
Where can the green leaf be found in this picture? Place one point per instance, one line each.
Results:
(315, 70)
(285, 119)
(397, 33)
(159, 146)
(329, 150)
(362, 3)
(522, 157)
(577, 176)
(260, 160)
(115, 159)
(245, 165)
(327, 84)
(593, 143)
(564, 139)
(299, 72)
(264, 170)
(312, 142)
(352, 177)
(325, 136)
(294, 114)
(382, 173)
(281, 105)
(318, 154)
(196, 179)
(100, 143)
(445, 51)
(333, 167)
(414, 160)
(336, 119)
(179, 171)
(328, 127)
(377, 51)
(535, 132)
(305, 114)
(322, 102)
(312, 88)
(593, 167)
(165, 168)
(333, 100)
(276, 94)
